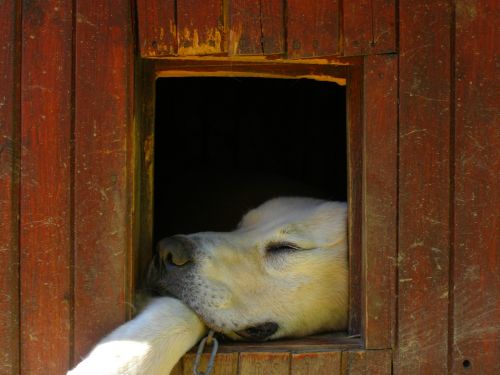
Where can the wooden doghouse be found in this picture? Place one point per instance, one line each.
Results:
(77, 110)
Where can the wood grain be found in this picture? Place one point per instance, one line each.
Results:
(424, 178)
(476, 273)
(256, 27)
(379, 199)
(235, 68)
(45, 194)
(272, 26)
(9, 187)
(144, 139)
(369, 362)
(201, 27)
(335, 341)
(103, 83)
(157, 28)
(326, 363)
(245, 36)
(225, 363)
(312, 28)
(369, 27)
(355, 192)
(256, 363)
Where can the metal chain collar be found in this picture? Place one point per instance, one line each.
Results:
(209, 340)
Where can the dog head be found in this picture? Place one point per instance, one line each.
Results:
(282, 272)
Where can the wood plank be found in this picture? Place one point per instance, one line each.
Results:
(335, 341)
(254, 363)
(45, 194)
(379, 199)
(103, 177)
(256, 27)
(369, 362)
(312, 28)
(424, 176)
(157, 28)
(9, 187)
(326, 363)
(273, 26)
(225, 363)
(369, 27)
(144, 133)
(245, 36)
(201, 27)
(355, 192)
(476, 273)
(239, 68)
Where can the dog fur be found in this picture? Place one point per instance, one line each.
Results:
(281, 273)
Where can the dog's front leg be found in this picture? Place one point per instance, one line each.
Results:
(151, 343)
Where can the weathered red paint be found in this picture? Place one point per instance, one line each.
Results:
(9, 188)
(379, 225)
(369, 27)
(424, 187)
(103, 126)
(45, 191)
(476, 280)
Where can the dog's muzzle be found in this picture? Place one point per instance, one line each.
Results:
(173, 261)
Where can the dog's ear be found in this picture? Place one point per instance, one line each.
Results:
(329, 222)
(249, 219)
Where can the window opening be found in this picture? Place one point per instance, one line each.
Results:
(225, 145)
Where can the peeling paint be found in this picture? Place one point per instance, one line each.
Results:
(208, 43)
(234, 38)
(466, 10)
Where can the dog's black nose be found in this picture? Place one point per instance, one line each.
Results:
(175, 251)
(173, 255)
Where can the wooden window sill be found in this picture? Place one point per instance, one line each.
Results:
(316, 343)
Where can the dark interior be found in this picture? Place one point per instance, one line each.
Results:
(225, 145)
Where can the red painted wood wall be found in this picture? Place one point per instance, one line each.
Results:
(65, 112)
(68, 176)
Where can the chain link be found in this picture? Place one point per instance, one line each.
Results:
(209, 340)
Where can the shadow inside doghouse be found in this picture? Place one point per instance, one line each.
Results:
(225, 145)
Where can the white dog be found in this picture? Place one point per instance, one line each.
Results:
(281, 273)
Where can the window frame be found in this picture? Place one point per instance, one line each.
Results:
(370, 89)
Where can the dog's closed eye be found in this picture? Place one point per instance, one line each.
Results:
(281, 247)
